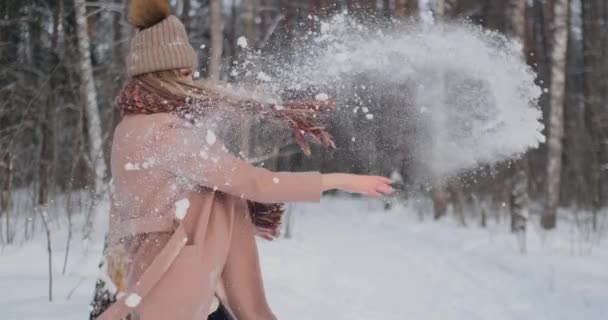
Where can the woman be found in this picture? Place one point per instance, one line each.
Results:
(185, 211)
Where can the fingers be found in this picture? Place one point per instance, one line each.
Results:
(268, 234)
(373, 186)
(381, 187)
(379, 191)
(373, 193)
(384, 179)
(386, 189)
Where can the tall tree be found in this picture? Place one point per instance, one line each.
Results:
(519, 188)
(556, 116)
(250, 26)
(440, 195)
(185, 14)
(439, 8)
(89, 96)
(406, 7)
(595, 50)
(518, 20)
(217, 40)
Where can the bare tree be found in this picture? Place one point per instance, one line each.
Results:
(518, 19)
(6, 196)
(251, 33)
(185, 13)
(89, 95)
(519, 187)
(519, 204)
(595, 69)
(250, 25)
(47, 230)
(556, 117)
(217, 40)
(439, 7)
(406, 8)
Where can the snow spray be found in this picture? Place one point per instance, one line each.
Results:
(447, 97)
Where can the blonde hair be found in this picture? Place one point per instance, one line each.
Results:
(170, 84)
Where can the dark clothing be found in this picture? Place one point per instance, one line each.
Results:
(220, 314)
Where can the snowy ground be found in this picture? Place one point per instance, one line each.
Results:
(350, 260)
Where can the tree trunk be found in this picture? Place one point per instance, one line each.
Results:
(439, 8)
(369, 6)
(6, 195)
(47, 231)
(556, 121)
(185, 14)
(595, 49)
(602, 112)
(89, 95)
(458, 202)
(519, 199)
(217, 40)
(251, 33)
(406, 8)
(46, 155)
(122, 31)
(519, 188)
(386, 8)
(518, 20)
(250, 25)
(324, 7)
(439, 193)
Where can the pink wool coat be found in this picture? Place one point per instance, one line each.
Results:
(179, 209)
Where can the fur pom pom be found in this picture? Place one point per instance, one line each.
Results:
(146, 13)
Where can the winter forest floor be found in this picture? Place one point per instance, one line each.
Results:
(349, 259)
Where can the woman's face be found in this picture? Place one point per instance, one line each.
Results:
(186, 75)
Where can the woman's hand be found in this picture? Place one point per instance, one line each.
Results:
(374, 186)
(268, 234)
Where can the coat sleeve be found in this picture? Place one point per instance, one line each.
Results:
(197, 155)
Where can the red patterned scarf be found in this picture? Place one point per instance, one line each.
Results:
(304, 118)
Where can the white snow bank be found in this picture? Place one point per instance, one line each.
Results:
(350, 260)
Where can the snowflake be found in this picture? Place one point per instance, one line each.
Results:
(262, 76)
(181, 208)
(322, 97)
(242, 42)
(131, 167)
(211, 138)
(133, 300)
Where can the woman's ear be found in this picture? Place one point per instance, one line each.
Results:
(185, 72)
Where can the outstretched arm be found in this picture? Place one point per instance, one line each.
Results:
(197, 155)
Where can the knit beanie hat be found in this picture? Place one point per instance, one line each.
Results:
(161, 43)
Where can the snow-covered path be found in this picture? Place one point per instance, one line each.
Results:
(349, 264)
(348, 260)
